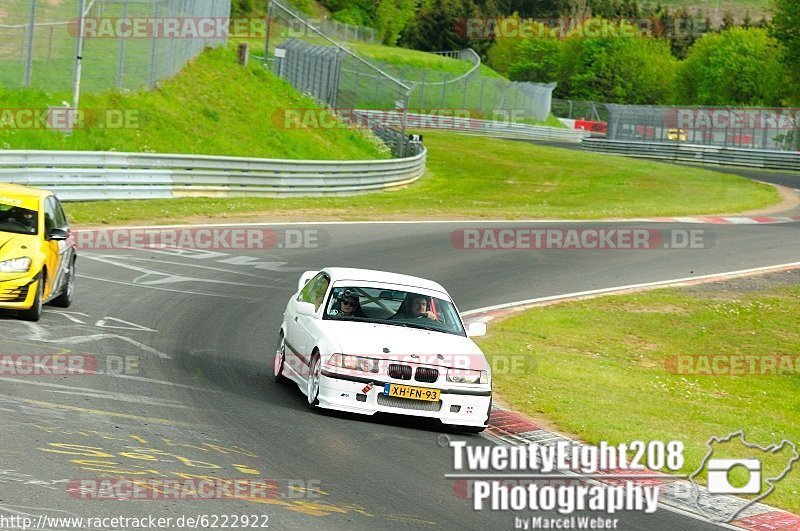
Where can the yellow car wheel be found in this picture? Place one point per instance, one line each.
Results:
(65, 299)
(35, 312)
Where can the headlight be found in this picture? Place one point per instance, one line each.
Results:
(465, 376)
(15, 265)
(354, 363)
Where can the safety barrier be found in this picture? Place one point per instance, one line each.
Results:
(681, 152)
(85, 176)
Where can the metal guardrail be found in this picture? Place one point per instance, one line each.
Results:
(473, 126)
(682, 152)
(87, 176)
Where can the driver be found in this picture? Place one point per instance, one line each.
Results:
(22, 216)
(414, 307)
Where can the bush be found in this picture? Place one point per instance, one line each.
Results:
(734, 67)
(621, 70)
(611, 69)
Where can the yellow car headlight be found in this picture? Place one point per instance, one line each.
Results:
(16, 265)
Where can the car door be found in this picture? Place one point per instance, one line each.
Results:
(53, 250)
(296, 338)
(306, 328)
(66, 248)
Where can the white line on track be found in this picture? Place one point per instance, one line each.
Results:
(39, 333)
(249, 299)
(660, 283)
(183, 264)
(407, 222)
(161, 277)
(96, 393)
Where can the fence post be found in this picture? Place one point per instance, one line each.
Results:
(29, 58)
(444, 91)
(422, 90)
(483, 85)
(50, 43)
(269, 28)
(121, 60)
(172, 41)
(151, 77)
(78, 72)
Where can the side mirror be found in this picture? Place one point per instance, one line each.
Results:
(476, 329)
(306, 308)
(304, 278)
(58, 235)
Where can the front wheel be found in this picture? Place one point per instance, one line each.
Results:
(65, 299)
(313, 382)
(280, 360)
(35, 312)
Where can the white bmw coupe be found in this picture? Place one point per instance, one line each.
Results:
(366, 341)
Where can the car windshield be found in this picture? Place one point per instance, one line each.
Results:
(17, 220)
(393, 307)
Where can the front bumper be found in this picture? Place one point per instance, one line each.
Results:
(17, 293)
(456, 407)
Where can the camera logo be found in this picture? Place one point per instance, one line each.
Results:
(739, 475)
(720, 472)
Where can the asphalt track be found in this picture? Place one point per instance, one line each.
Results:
(202, 327)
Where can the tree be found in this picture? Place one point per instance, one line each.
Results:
(728, 20)
(618, 70)
(786, 29)
(747, 21)
(537, 60)
(733, 67)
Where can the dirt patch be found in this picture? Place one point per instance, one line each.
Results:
(663, 308)
(280, 216)
(735, 287)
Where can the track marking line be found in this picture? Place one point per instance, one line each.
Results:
(524, 304)
(186, 292)
(102, 412)
(98, 393)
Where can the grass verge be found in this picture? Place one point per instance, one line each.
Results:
(608, 368)
(213, 107)
(477, 178)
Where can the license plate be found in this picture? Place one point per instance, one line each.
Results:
(413, 393)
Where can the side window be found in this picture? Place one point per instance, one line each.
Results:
(49, 216)
(319, 291)
(61, 217)
(308, 294)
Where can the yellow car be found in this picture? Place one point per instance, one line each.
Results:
(37, 252)
(676, 134)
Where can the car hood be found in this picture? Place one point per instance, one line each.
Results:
(406, 344)
(16, 245)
